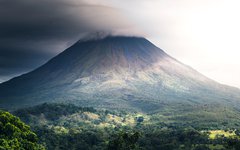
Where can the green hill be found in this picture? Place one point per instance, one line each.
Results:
(68, 127)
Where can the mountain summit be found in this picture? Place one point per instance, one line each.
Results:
(115, 72)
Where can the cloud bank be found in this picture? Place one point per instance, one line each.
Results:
(32, 31)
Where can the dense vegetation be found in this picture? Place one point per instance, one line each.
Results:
(61, 126)
(15, 135)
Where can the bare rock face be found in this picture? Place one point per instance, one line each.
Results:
(115, 72)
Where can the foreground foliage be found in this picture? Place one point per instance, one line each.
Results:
(66, 127)
(14, 134)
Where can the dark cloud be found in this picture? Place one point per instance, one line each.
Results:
(33, 19)
(33, 31)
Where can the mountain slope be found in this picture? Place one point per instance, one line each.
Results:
(116, 72)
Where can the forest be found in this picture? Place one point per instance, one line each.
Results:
(57, 126)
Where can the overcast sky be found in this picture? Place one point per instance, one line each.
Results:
(203, 34)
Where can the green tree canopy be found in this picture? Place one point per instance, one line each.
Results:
(14, 134)
(124, 141)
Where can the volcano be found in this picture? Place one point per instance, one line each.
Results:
(116, 72)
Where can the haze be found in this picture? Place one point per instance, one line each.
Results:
(201, 33)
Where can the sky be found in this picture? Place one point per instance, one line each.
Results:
(203, 34)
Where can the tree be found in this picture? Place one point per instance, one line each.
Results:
(233, 143)
(14, 134)
(124, 141)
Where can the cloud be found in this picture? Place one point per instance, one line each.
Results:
(33, 31)
(33, 19)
